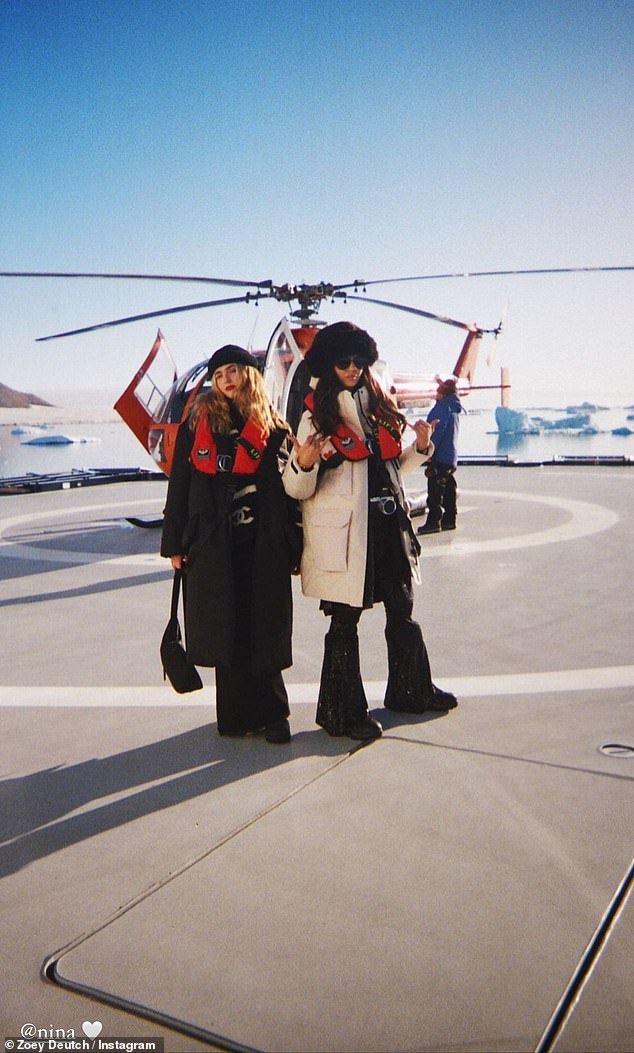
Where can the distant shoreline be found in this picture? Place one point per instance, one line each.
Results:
(37, 416)
(87, 411)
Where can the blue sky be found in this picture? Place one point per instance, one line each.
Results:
(306, 142)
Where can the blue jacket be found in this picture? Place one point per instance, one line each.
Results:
(445, 437)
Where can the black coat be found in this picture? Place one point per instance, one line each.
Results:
(197, 523)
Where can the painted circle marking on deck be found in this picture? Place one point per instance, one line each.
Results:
(15, 549)
(584, 518)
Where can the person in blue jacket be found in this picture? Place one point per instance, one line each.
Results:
(440, 471)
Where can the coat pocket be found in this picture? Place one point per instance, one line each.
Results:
(329, 538)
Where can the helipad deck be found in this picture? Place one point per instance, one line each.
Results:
(460, 884)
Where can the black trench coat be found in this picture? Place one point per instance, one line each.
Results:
(197, 523)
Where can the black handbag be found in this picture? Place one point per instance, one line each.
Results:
(183, 676)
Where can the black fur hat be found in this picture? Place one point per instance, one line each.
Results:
(337, 341)
(230, 355)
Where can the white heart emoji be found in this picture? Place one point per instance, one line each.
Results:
(92, 1030)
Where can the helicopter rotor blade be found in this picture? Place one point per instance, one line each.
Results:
(147, 314)
(137, 277)
(416, 310)
(483, 274)
(266, 288)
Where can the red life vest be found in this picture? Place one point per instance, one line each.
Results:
(347, 443)
(251, 444)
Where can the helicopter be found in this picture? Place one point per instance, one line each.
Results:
(154, 417)
(154, 410)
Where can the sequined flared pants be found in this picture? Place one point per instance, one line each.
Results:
(342, 698)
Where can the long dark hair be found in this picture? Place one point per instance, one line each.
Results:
(326, 414)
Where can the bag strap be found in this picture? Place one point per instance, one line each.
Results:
(176, 585)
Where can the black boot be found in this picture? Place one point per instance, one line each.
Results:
(429, 528)
(442, 701)
(342, 703)
(409, 686)
(365, 729)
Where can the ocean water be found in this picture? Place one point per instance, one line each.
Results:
(112, 445)
(479, 436)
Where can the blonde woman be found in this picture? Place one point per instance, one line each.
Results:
(231, 528)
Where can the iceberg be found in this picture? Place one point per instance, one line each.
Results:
(518, 422)
(56, 440)
(514, 422)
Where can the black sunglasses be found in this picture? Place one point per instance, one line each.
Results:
(358, 360)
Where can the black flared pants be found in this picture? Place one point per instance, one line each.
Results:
(342, 699)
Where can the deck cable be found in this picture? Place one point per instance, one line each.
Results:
(586, 965)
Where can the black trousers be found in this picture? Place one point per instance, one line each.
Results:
(246, 700)
(342, 698)
(442, 494)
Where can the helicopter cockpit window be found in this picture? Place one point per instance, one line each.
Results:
(281, 359)
(150, 391)
(299, 388)
(156, 379)
(176, 400)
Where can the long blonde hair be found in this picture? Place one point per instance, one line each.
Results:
(251, 401)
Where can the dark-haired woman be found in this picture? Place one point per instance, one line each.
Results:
(359, 545)
(229, 525)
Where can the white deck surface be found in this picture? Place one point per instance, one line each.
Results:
(435, 890)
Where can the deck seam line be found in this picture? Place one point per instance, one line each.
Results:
(161, 883)
(49, 969)
(505, 756)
